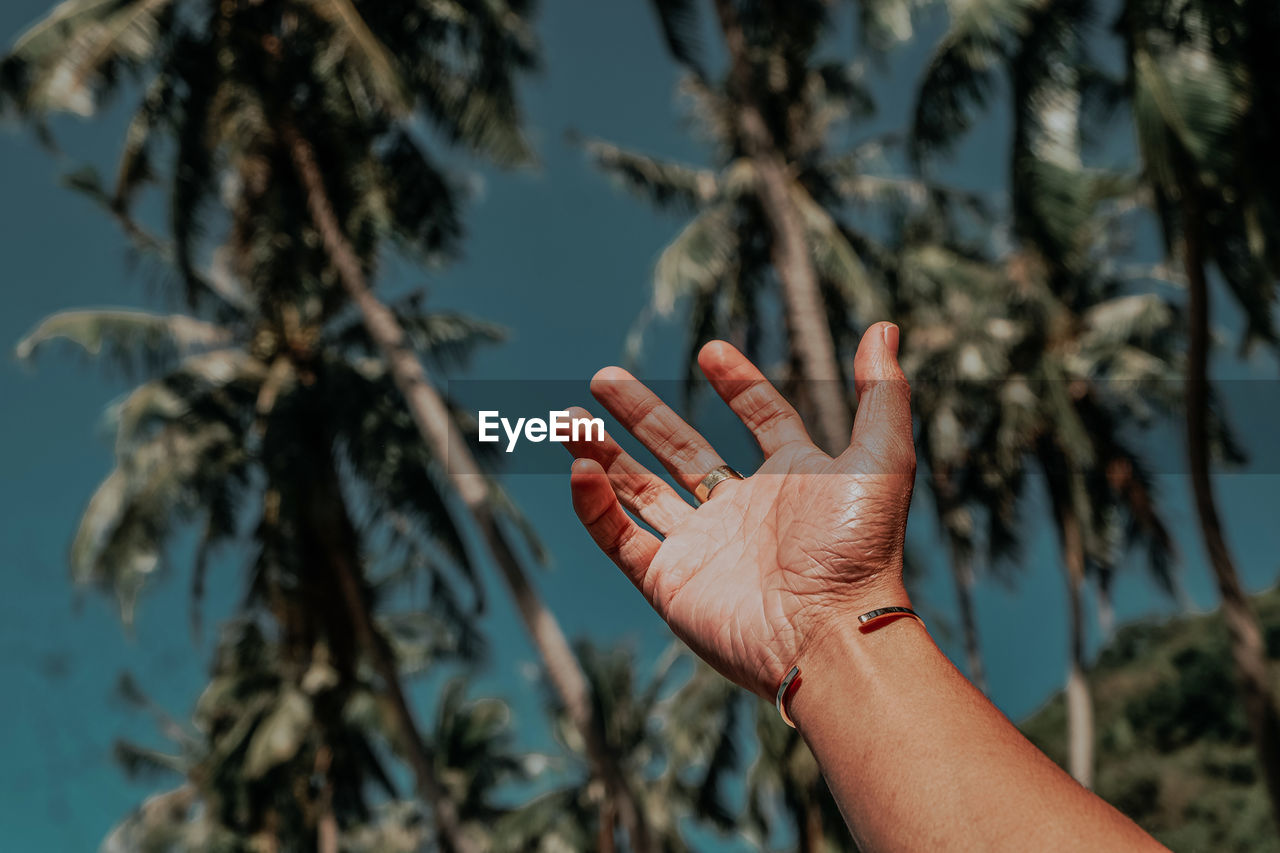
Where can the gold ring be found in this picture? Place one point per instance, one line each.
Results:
(717, 476)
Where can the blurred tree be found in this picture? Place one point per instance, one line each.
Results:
(256, 747)
(1201, 87)
(1194, 84)
(786, 799)
(1180, 759)
(952, 350)
(773, 207)
(310, 104)
(667, 750)
(266, 424)
(1090, 351)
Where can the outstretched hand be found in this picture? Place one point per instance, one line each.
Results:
(753, 578)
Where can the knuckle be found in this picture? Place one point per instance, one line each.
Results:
(618, 539)
(644, 492)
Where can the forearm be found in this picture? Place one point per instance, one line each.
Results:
(920, 760)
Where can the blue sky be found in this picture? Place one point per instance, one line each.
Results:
(558, 256)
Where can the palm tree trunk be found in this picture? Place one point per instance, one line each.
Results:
(1080, 723)
(1106, 614)
(943, 485)
(962, 573)
(437, 428)
(327, 822)
(808, 332)
(606, 843)
(1247, 648)
(334, 531)
(812, 836)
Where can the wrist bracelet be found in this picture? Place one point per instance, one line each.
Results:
(865, 622)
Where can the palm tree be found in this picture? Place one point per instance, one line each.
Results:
(956, 331)
(1195, 73)
(263, 410)
(255, 744)
(1202, 101)
(783, 791)
(772, 208)
(274, 760)
(673, 756)
(1011, 381)
(785, 782)
(320, 94)
(1089, 340)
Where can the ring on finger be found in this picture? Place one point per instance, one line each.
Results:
(714, 477)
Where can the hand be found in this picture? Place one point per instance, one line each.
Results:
(753, 578)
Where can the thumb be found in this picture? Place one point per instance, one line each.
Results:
(882, 436)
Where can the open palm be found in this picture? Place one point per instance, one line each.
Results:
(761, 570)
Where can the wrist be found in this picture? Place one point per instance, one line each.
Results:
(834, 621)
(845, 652)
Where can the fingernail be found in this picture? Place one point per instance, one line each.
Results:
(891, 338)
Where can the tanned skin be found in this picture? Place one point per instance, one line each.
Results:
(773, 571)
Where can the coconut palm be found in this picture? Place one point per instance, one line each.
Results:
(1195, 78)
(1199, 83)
(318, 96)
(1089, 348)
(1009, 383)
(785, 788)
(783, 793)
(247, 427)
(1007, 376)
(772, 208)
(673, 756)
(953, 307)
(274, 760)
(259, 769)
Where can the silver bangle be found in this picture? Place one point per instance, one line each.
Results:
(782, 694)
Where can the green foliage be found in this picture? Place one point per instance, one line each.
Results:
(266, 418)
(219, 78)
(1202, 105)
(719, 269)
(1176, 751)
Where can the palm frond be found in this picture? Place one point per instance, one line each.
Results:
(963, 70)
(363, 51)
(680, 21)
(380, 442)
(193, 174)
(135, 166)
(886, 23)
(448, 339)
(280, 735)
(484, 119)
(665, 184)
(128, 336)
(1185, 106)
(76, 50)
(120, 540)
(423, 203)
(697, 260)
